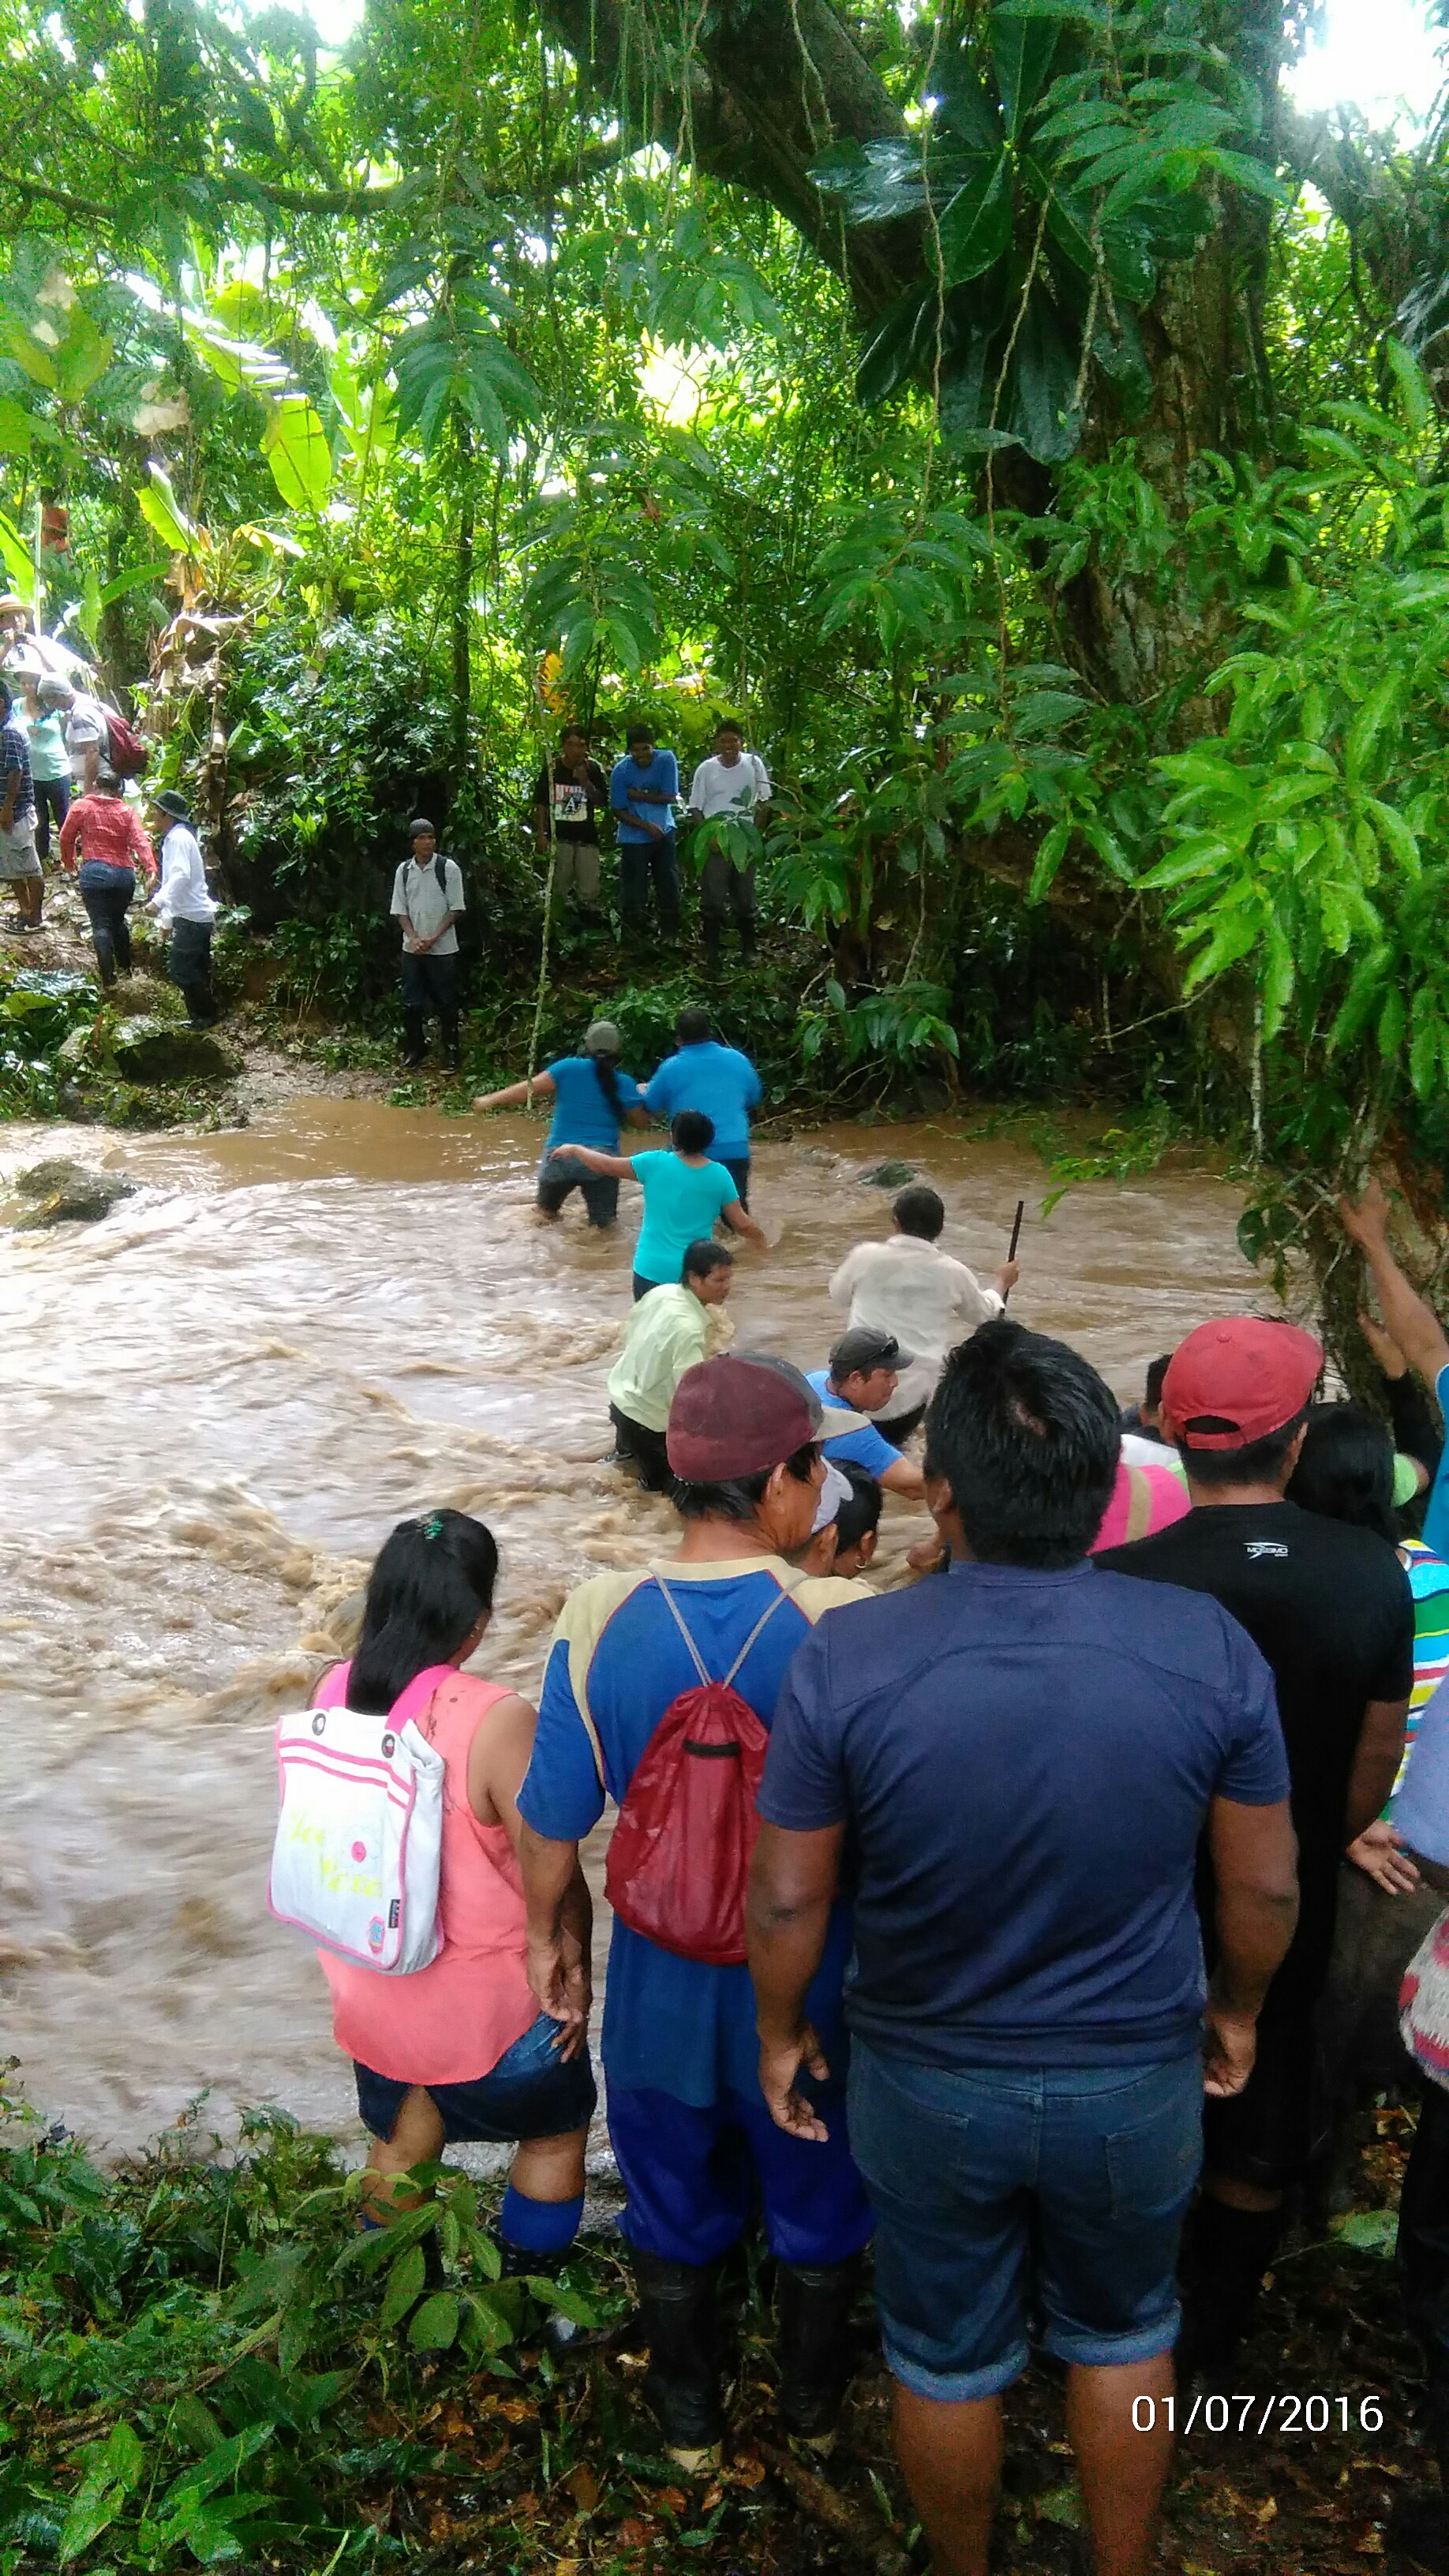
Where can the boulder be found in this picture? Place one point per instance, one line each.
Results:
(166, 1051)
(60, 1192)
(888, 1176)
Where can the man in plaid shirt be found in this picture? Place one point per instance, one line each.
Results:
(19, 865)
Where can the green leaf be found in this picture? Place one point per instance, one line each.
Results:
(1415, 397)
(1061, 2505)
(294, 444)
(1050, 854)
(16, 427)
(435, 2326)
(163, 514)
(216, 2468)
(405, 2283)
(1362, 736)
(111, 2472)
(19, 565)
(976, 226)
(1043, 412)
(1021, 50)
(888, 355)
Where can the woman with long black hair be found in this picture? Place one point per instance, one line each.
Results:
(460, 2050)
(594, 1098)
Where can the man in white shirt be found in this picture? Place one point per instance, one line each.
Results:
(183, 906)
(734, 784)
(427, 898)
(909, 1288)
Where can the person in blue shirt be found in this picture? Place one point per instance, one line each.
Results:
(1022, 1758)
(694, 2142)
(702, 1074)
(594, 1098)
(861, 1379)
(684, 1193)
(643, 792)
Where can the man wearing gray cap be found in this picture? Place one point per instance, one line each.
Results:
(427, 898)
(860, 1381)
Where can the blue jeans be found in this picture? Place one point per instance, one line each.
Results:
(52, 801)
(107, 894)
(639, 863)
(692, 2175)
(1018, 2204)
(531, 2093)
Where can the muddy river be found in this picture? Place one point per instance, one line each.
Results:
(215, 1405)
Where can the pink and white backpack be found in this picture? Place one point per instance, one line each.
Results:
(359, 1838)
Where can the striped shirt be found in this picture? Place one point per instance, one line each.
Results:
(1429, 1583)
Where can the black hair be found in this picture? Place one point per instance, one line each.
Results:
(431, 1585)
(1346, 1469)
(1027, 1436)
(738, 1498)
(7, 695)
(861, 1514)
(1156, 1372)
(693, 1026)
(572, 733)
(704, 1256)
(730, 724)
(638, 733)
(1258, 1462)
(606, 1073)
(690, 1132)
(920, 1211)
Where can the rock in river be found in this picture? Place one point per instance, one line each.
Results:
(60, 1192)
(888, 1176)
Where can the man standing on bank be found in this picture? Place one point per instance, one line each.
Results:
(427, 898)
(183, 906)
(1331, 1609)
(643, 791)
(702, 1074)
(574, 784)
(734, 784)
(1023, 1755)
(695, 2144)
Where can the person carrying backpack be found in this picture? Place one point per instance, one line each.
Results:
(658, 1694)
(427, 898)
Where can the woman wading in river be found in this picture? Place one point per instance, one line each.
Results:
(459, 2051)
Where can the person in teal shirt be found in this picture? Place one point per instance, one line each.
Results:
(684, 1192)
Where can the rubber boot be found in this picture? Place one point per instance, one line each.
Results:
(415, 1037)
(814, 2303)
(452, 1042)
(562, 2336)
(1228, 2252)
(680, 2314)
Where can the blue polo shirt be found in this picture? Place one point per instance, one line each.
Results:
(582, 1112)
(662, 776)
(1025, 1762)
(865, 1446)
(718, 1080)
(616, 1663)
(681, 1203)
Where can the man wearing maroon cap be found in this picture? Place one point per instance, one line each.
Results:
(692, 2136)
(1330, 1608)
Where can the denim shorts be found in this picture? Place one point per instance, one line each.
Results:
(531, 2093)
(1018, 2205)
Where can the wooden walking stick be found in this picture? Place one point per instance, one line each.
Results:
(1015, 1240)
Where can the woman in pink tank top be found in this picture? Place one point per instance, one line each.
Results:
(460, 2049)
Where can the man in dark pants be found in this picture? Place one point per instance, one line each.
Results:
(427, 898)
(1330, 1607)
(185, 908)
(643, 789)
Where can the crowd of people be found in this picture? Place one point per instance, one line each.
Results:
(1027, 1984)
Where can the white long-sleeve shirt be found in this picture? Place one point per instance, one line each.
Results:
(929, 1300)
(183, 895)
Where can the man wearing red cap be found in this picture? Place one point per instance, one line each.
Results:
(691, 2133)
(1330, 1608)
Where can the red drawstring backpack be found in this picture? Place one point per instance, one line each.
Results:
(127, 752)
(680, 1856)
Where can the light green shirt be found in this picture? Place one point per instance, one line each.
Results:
(668, 1331)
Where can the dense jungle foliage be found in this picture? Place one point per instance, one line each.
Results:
(1019, 416)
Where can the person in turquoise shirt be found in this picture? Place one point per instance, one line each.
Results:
(684, 1191)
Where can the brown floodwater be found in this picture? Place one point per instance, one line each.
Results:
(216, 1404)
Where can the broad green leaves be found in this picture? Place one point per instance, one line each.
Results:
(459, 365)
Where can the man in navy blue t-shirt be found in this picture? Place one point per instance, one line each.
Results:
(1024, 1754)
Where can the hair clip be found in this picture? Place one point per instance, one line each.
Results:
(433, 1525)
